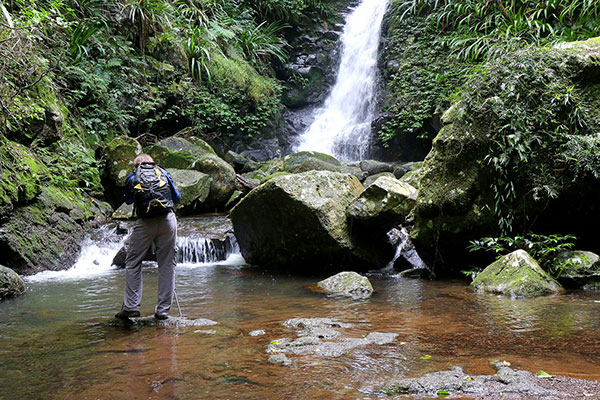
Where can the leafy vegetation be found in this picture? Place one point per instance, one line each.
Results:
(541, 247)
(487, 29)
(434, 46)
(76, 73)
(536, 122)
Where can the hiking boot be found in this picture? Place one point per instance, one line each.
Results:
(161, 316)
(126, 314)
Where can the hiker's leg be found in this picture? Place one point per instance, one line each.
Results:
(166, 256)
(139, 242)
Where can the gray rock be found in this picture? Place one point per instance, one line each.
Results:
(11, 284)
(517, 275)
(119, 154)
(372, 167)
(383, 203)
(311, 161)
(506, 382)
(348, 284)
(194, 187)
(171, 322)
(280, 359)
(297, 221)
(577, 269)
(125, 211)
(258, 332)
(371, 179)
(194, 153)
(317, 337)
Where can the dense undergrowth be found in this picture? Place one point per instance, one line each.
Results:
(433, 47)
(76, 73)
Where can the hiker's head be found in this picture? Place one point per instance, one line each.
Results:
(142, 158)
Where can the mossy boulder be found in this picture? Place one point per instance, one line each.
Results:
(194, 187)
(370, 179)
(577, 269)
(11, 284)
(516, 275)
(120, 153)
(19, 176)
(384, 203)
(347, 284)
(500, 164)
(311, 161)
(47, 234)
(193, 153)
(297, 221)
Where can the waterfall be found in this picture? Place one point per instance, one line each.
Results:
(342, 127)
(404, 248)
(205, 250)
(97, 252)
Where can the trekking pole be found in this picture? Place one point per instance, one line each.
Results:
(177, 302)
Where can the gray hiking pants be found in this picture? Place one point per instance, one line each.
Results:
(162, 231)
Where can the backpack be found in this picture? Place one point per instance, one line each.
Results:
(151, 191)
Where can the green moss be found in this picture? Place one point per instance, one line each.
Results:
(236, 76)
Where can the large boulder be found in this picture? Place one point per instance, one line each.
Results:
(120, 153)
(383, 203)
(194, 153)
(47, 234)
(347, 284)
(500, 164)
(194, 187)
(516, 275)
(311, 161)
(577, 269)
(297, 221)
(11, 284)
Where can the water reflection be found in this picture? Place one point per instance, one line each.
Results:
(55, 342)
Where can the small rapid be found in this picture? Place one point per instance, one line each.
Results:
(342, 127)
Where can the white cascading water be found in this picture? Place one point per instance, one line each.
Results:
(342, 127)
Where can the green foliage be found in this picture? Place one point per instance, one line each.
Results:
(419, 76)
(261, 43)
(541, 247)
(486, 29)
(528, 107)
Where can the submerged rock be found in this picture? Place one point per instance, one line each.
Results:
(171, 322)
(578, 269)
(506, 383)
(11, 284)
(297, 221)
(321, 337)
(517, 275)
(348, 284)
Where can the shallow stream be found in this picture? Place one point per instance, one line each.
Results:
(56, 343)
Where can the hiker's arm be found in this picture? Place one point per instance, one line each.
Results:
(175, 195)
(128, 196)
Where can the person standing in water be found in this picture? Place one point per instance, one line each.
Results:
(152, 190)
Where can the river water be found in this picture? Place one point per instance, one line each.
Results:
(56, 342)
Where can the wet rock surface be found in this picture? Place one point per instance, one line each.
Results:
(321, 337)
(297, 221)
(347, 284)
(507, 383)
(517, 275)
(171, 322)
(11, 284)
